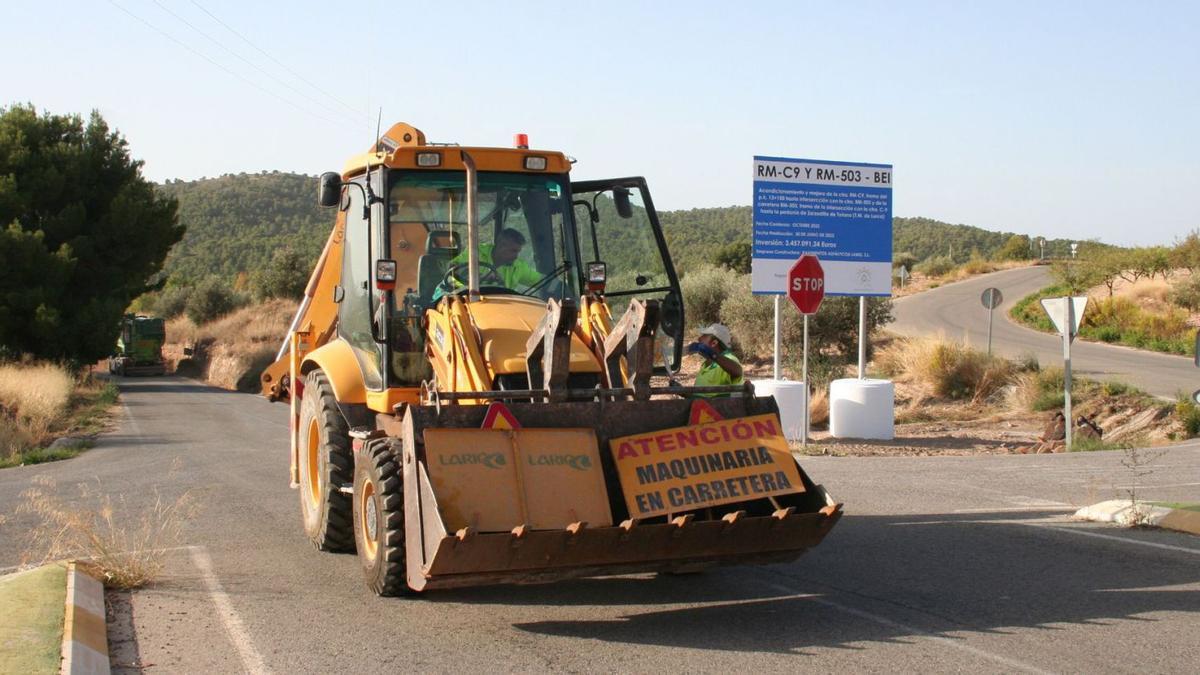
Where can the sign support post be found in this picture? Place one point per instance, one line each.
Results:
(806, 290)
(1067, 335)
(1066, 314)
(991, 299)
(862, 336)
(778, 334)
(807, 388)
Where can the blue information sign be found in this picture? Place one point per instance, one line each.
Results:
(839, 211)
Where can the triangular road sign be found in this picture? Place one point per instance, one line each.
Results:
(499, 417)
(703, 413)
(1056, 309)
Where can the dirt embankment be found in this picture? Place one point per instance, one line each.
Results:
(231, 351)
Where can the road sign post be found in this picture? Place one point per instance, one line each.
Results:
(806, 290)
(1066, 313)
(991, 299)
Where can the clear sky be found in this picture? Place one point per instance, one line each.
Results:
(1064, 119)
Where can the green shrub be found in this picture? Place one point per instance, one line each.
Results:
(284, 277)
(210, 300)
(1118, 313)
(978, 265)
(1028, 363)
(936, 266)
(1115, 388)
(950, 369)
(735, 257)
(704, 291)
(750, 318)
(904, 259)
(1186, 293)
(1189, 415)
(171, 302)
(1049, 400)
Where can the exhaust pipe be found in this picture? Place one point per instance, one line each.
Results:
(472, 228)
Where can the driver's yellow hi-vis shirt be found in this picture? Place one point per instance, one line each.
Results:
(516, 273)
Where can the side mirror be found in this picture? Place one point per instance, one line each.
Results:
(329, 189)
(621, 199)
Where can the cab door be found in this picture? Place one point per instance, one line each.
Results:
(617, 225)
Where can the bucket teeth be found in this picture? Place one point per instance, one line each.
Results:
(732, 518)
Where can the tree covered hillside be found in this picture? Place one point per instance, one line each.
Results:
(235, 224)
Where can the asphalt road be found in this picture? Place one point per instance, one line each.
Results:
(941, 564)
(955, 310)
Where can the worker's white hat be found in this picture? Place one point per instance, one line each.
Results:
(718, 331)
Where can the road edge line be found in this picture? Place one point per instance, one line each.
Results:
(85, 627)
(252, 661)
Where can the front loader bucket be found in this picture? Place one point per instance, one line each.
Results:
(546, 501)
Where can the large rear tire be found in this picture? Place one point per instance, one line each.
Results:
(326, 464)
(379, 517)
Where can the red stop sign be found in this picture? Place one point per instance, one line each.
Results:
(806, 284)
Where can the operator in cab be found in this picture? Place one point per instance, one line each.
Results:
(720, 366)
(503, 259)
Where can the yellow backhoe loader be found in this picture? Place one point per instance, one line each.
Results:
(466, 410)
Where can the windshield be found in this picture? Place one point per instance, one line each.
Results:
(526, 242)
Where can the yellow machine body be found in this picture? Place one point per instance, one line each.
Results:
(524, 429)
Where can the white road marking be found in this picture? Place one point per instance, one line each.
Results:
(1022, 500)
(1020, 509)
(251, 659)
(1123, 540)
(133, 425)
(1150, 487)
(891, 623)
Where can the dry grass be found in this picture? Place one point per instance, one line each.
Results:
(33, 397)
(1148, 294)
(818, 410)
(125, 546)
(233, 350)
(947, 369)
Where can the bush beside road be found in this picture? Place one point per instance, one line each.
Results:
(48, 413)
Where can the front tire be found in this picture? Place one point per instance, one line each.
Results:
(379, 517)
(326, 464)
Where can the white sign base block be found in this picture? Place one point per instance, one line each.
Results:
(862, 409)
(791, 397)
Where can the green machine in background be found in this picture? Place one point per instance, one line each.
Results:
(139, 348)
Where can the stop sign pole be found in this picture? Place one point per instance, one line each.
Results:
(806, 289)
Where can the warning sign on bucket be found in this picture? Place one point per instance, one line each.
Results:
(692, 467)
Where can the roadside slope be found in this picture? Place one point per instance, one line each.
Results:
(955, 310)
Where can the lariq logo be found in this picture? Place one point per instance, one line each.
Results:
(577, 462)
(490, 460)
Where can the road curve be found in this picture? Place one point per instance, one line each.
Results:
(940, 565)
(955, 310)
